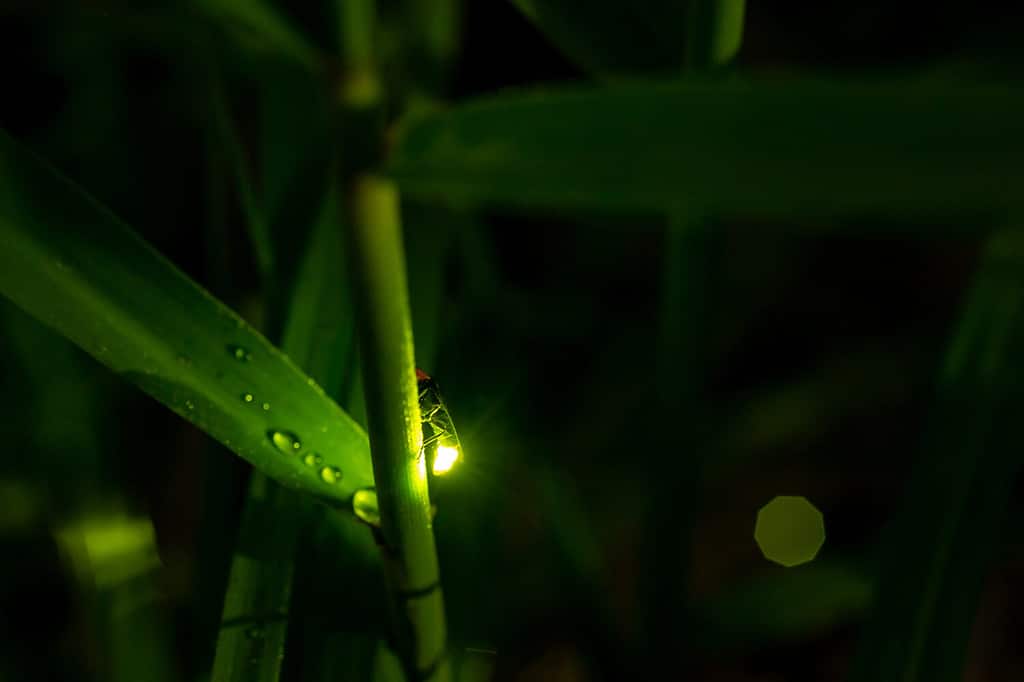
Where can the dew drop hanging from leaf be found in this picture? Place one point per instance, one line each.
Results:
(285, 442)
(239, 353)
(330, 475)
(364, 506)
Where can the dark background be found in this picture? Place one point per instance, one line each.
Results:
(819, 356)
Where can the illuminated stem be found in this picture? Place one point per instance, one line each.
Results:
(381, 298)
(393, 416)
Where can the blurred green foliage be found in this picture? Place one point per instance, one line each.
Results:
(850, 171)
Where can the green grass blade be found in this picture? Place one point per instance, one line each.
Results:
(260, 24)
(69, 262)
(255, 219)
(941, 545)
(318, 335)
(295, 145)
(254, 622)
(428, 235)
(614, 38)
(715, 31)
(791, 148)
(785, 605)
(434, 35)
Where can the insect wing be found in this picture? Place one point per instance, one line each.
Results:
(437, 422)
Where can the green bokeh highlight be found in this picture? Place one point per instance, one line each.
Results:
(789, 530)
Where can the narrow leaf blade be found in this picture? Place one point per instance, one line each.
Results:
(942, 544)
(790, 148)
(785, 605)
(257, 607)
(614, 38)
(69, 262)
(260, 23)
(254, 621)
(231, 143)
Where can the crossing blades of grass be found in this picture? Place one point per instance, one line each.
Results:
(796, 148)
(69, 262)
(941, 545)
(318, 335)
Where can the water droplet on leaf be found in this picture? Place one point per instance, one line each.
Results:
(239, 353)
(330, 475)
(266, 407)
(313, 459)
(189, 405)
(285, 441)
(364, 506)
(247, 397)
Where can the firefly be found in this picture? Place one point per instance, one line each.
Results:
(440, 440)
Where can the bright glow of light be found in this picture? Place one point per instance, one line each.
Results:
(445, 458)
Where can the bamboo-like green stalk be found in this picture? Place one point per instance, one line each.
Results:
(360, 87)
(433, 27)
(393, 416)
(380, 295)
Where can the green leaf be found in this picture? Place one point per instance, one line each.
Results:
(231, 144)
(254, 621)
(614, 38)
(943, 542)
(69, 262)
(296, 147)
(319, 336)
(428, 234)
(319, 332)
(259, 24)
(789, 148)
(788, 604)
(715, 31)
